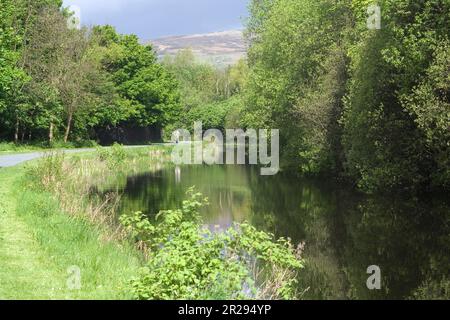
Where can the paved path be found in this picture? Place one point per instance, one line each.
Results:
(11, 160)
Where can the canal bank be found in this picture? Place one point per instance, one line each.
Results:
(42, 249)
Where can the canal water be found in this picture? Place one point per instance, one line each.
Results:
(344, 231)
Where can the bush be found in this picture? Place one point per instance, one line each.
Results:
(433, 290)
(113, 156)
(59, 144)
(7, 146)
(13, 147)
(82, 143)
(48, 171)
(188, 261)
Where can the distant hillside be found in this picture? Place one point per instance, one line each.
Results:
(220, 48)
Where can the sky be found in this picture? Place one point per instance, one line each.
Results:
(152, 19)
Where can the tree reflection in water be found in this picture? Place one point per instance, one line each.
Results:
(345, 232)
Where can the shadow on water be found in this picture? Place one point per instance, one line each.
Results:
(345, 232)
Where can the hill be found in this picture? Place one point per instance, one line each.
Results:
(220, 48)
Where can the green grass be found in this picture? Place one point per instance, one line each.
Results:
(11, 147)
(39, 243)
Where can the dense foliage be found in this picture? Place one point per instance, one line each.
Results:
(63, 83)
(369, 105)
(208, 94)
(188, 261)
(372, 105)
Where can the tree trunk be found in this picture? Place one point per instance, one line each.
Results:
(69, 123)
(16, 132)
(50, 133)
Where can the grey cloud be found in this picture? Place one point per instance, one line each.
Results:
(150, 19)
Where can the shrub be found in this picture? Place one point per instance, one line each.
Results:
(7, 146)
(83, 143)
(188, 261)
(113, 156)
(48, 171)
(433, 290)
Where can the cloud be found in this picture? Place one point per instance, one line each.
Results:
(107, 6)
(155, 18)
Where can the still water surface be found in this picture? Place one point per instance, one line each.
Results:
(345, 232)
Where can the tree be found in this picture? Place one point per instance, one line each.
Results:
(58, 79)
(297, 78)
(18, 19)
(146, 88)
(198, 81)
(208, 94)
(429, 105)
(56, 58)
(11, 76)
(386, 144)
(371, 105)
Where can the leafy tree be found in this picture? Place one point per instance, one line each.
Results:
(429, 105)
(297, 78)
(18, 20)
(386, 144)
(208, 94)
(148, 93)
(198, 82)
(368, 104)
(11, 76)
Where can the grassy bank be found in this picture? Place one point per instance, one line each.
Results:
(42, 246)
(62, 238)
(11, 147)
(26, 270)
